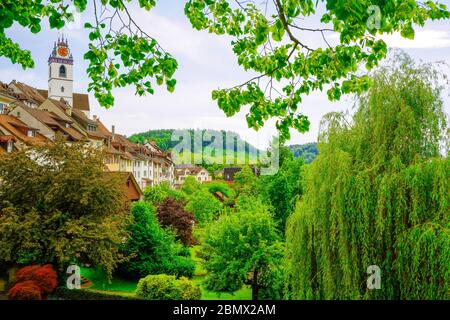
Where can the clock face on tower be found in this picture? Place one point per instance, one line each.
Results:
(63, 51)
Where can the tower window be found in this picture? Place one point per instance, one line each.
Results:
(50, 71)
(62, 89)
(62, 72)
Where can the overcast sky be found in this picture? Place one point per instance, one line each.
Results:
(206, 62)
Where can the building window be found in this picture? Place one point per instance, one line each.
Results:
(9, 146)
(67, 125)
(91, 127)
(62, 72)
(62, 89)
(2, 108)
(30, 133)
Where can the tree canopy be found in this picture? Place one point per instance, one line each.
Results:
(377, 194)
(171, 214)
(243, 245)
(153, 249)
(58, 206)
(204, 206)
(267, 39)
(283, 189)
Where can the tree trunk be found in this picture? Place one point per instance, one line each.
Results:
(255, 287)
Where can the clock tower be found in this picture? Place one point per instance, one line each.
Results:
(60, 72)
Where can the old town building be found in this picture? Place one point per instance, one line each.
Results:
(31, 116)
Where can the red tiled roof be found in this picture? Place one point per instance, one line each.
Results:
(7, 138)
(6, 91)
(80, 100)
(28, 92)
(12, 125)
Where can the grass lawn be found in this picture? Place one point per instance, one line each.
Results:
(100, 281)
(243, 294)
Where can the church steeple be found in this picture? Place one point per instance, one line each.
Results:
(60, 78)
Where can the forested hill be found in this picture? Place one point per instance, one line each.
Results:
(163, 138)
(307, 151)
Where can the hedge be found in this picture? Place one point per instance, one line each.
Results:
(167, 287)
(86, 294)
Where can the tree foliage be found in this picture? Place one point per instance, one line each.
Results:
(153, 249)
(222, 187)
(58, 206)
(120, 53)
(241, 247)
(283, 189)
(204, 206)
(245, 181)
(171, 214)
(377, 195)
(158, 193)
(268, 39)
(190, 185)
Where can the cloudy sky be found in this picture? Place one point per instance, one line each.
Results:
(206, 62)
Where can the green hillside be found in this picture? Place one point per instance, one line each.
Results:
(163, 138)
(307, 151)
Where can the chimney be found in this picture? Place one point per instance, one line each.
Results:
(113, 132)
(67, 106)
(96, 118)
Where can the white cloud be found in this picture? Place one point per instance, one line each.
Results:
(422, 39)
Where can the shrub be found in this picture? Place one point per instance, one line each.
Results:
(45, 277)
(172, 214)
(165, 287)
(26, 290)
(26, 273)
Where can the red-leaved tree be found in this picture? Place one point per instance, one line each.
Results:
(171, 213)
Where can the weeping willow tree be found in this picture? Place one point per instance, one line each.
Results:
(378, 194)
